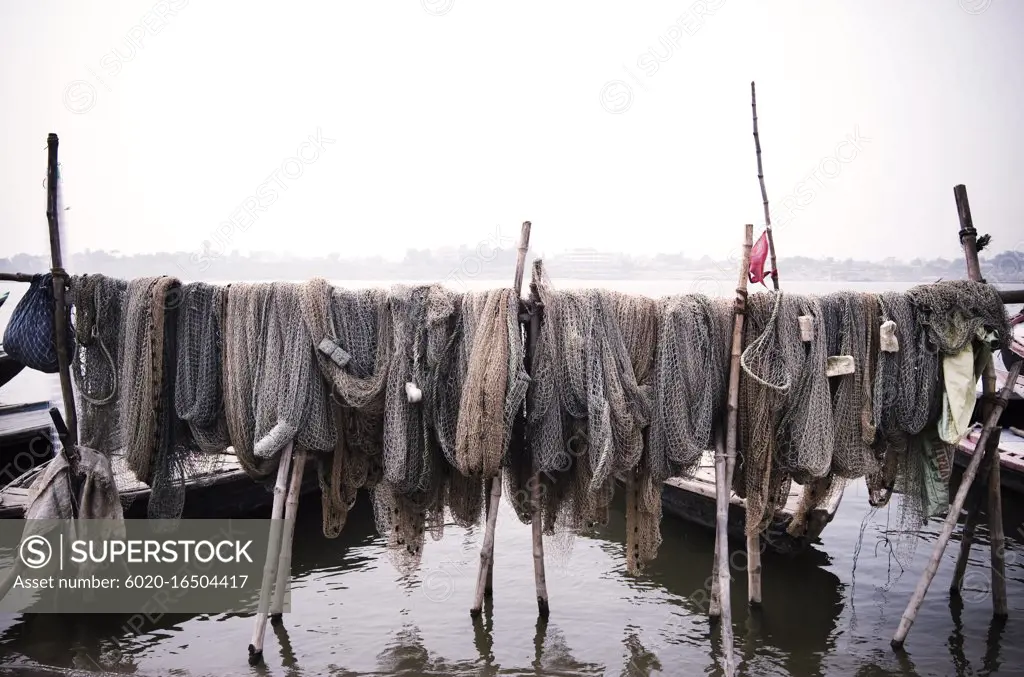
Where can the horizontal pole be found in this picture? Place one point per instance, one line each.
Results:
(15, 277)
(1012, 295)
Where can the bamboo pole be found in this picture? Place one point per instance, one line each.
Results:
(764, 192)
(537, 533)
(721, 460)
(997, 538)
(494, 501)
(60, 309)
(914, 605)
(291, 509)
(968, 235)
(968, 240)
(16, 277)
(273, 553)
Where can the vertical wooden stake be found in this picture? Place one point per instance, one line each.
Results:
(273, 555)
(968, 240)
(722, 460)
(997, 539)
(291, 509)
(914, 605)
(487, 551)
(60, 308)
(754, 570)
(536, 527)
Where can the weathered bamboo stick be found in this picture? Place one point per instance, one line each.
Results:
(632, 522)
(764, 192)
(914, 605)
(487, 551)
(273, 556)
(16, 277)
(968, 235)
(721, 461)
(968, 239)
(997, 539)
(715, 604)
(60, 308)
(291, 509)
(754, 570)
(537, 533)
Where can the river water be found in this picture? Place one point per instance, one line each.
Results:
(827, 611)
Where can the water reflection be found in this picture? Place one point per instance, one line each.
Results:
(354, 614)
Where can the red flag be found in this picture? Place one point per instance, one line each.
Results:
(758, 254)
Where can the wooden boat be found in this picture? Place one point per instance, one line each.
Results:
(222, 489)
(25, 438)
(693, 499)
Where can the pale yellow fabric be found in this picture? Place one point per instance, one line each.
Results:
(960, 375)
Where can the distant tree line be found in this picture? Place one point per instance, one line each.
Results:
(496, 263)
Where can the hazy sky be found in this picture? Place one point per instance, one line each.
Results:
(424, 123)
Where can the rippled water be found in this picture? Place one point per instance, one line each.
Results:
(353, 614)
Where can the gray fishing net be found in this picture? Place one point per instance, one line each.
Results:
(198, 394)
(421, 394)
(98, 302)
(274, 391)
(590, 398)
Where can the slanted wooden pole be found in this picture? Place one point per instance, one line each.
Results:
(487, 551)
(968, 240)
(60, 309)
(954, 511)
(291, 509)
(722, 460)
(273, 555)
(764, 192)
(537, 532)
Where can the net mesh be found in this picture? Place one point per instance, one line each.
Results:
(421, 394)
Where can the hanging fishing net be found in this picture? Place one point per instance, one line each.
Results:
(273, 391)
(99, 304)
(198, 394)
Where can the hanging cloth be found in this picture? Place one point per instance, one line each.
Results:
(758, 256)
(960, 373)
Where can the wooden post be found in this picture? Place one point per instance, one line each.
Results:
(968, 240)
(537, 532)
(291, 509)
(487, 551)
(273, 556)
(968, 235)
(954, 511)
(721, 460)
(997, 539)
(60, 308)
(764, 193)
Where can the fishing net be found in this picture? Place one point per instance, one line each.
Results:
(590, 398)
(99, 303)
(352, 333)
(857, 318)
(198, 395)
(951, 312)
(158, 445)
(764, 384)
(273, 391)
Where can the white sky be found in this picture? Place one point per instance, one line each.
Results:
(447, 124)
